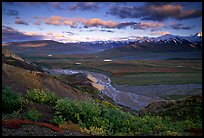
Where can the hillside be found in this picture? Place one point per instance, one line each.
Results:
(31, 77)
(46, 47)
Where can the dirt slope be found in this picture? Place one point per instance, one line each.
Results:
(22, 78)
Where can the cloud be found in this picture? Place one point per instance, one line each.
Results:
(20, 21)
(109, 31)
(147, 25)
(96, 22)
(74, 22)
(189, 14)
(154, 11)
(160, 33)
(84, 6)
(49, 33)
(70, 33)
(125, 24)
(68, 22)
(10, 35)
(58, 35)
(12, 12)
(56, 4)
(53, 20)
(37, 22)
(141, 25)
(180, 26)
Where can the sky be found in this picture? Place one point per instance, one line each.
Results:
(96, 21)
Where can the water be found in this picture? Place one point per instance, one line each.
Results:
(131, 100)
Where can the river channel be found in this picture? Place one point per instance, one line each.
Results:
(128, 99)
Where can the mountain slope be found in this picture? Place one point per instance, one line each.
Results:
(21, 75)
(46, 47)
(169, 45)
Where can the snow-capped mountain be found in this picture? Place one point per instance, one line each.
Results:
(166, 42)
(194, 38)
(168, 38)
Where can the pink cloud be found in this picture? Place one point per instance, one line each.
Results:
(160, 33)
(96, 22)
(53, 20)
(20, 21)
(37, 22)
(145, 25)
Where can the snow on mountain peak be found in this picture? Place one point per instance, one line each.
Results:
(168, 37)
(199, 34)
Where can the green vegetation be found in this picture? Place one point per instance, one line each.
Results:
(42, 96)
(103, 118)
(32, 114)
(98, 119)
(173, 96)
(189, 109)
(157, 78)
(57, 120)
(11, 100)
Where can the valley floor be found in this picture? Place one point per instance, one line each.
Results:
(163, 91)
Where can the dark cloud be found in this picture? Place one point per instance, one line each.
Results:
(189, 14)
(12, 12)
(20, 21)
(125, 24)
(158, 3)
(57, 5)
(70, 33)
(84, 6)
(141, 25)
(180, 26)
(155, 11)
(109, 31)
(10, 35)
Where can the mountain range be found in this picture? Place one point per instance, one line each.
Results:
(166, 42)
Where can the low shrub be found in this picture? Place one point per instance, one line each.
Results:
(57, 120)
(42, 96)
(99, 119)
(32, 114)
(11, 100)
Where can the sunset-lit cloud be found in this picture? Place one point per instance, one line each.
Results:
(53, 20)
(10, 34)
(49, 33)
(96, 22)
(20, 21)
(37, 22)
(152, 11)
(160, 33)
